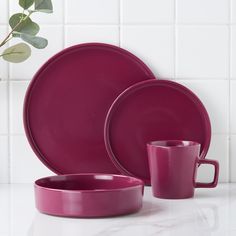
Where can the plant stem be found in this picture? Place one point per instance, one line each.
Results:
(8, 39)
(8, 36)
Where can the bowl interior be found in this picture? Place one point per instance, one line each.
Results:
(88, 182)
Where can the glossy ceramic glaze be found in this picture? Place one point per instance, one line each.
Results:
(153, 110)
(173, 168)
(88, 195)
(67, 101)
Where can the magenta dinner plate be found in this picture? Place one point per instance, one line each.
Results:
(67, 101)
(88, 195)
(153, 110)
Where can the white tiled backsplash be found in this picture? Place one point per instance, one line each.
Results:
(190, 41)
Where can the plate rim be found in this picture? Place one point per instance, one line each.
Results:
(35, 78)
(149, 83)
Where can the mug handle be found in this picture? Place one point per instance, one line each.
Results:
(216, 174)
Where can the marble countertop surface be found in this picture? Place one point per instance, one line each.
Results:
(210, 212)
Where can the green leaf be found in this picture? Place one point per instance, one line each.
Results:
(43, 6)
(17, 53)
(26, 3)
(35, 41)
(26, 26)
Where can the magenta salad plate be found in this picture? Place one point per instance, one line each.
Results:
(153, 110)
(88, 195)
(67, 101)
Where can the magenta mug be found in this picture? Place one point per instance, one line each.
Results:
(173, 167)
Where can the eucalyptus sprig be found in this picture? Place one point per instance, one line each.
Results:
(24, 28)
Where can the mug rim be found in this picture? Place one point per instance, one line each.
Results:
(173, 143)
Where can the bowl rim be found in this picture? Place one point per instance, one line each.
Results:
(140, 183)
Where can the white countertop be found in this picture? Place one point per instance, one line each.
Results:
(211, 212)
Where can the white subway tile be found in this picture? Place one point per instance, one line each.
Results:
(151, 11)
(233, 52)
(233, 107)
(3, 64)
(25, 166)
(3, 108)
(233, 158)
(5, 213)
(84, 34)
(17, 94)
(233, 11)
(92, 11)
(4, 12)
(202, 52)
(57, 17)
(4, 172)
(202, 11)
(154, 45)
(215, 96)
(43, 18)
(218, 151)
(27, 69)
(53, 18)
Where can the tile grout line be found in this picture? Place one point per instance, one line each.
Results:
(203, 79)
(8, 109)
(119, 7)
(8, 131)
(133, 24)
(20, 80)
(8, 127)
(229, 92)
(63, 24)
(142, 24)
(120, 21)
(150, 24)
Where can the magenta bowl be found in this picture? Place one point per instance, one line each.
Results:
(88, 195)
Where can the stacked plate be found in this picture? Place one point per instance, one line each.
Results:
(91, 109)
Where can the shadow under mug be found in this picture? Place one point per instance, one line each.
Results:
(173, 167)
